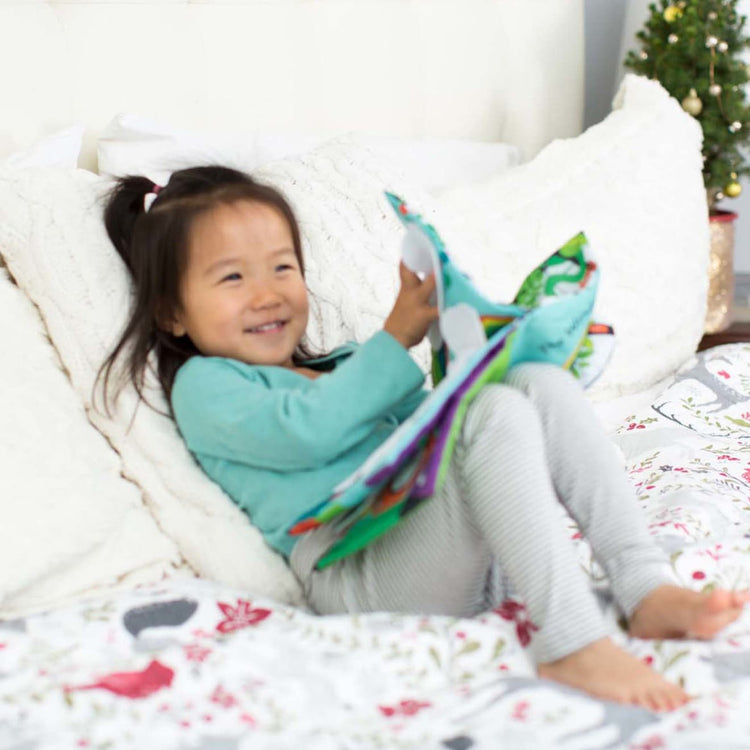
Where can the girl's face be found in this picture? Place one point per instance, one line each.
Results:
(242, 294)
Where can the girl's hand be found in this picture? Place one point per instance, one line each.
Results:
(412, 312)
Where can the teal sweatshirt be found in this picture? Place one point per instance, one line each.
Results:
(277, 441)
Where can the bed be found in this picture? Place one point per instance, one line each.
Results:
(138, 606)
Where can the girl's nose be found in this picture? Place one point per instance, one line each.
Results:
(263, 297)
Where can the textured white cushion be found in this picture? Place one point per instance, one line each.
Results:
(132, 144)
(60, 149)
(351, 239)
(54, 241)
(633, 184)
(70, 523)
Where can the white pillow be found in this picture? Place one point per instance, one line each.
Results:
(55, 245)
(132, 144)
(633, 183)
(436, 164)
(70, 523)
(351, 238)
(52, 234)
(60, 149)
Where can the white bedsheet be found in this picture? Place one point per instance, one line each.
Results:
(197, 664)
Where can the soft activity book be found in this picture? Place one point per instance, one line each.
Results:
(474, 342)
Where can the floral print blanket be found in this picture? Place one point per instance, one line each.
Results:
(195, 665)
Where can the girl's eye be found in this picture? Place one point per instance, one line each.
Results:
(284, 267)
(232, 277)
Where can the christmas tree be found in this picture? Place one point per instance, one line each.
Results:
(694, 48)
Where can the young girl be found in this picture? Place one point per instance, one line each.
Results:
(221, 301)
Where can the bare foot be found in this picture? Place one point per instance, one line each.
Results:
(673, 612)
(604, 670)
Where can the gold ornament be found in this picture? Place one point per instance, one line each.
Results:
(732, 189)
(714, 89)
(672, 13)
(692, 103)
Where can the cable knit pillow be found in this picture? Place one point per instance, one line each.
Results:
(633, 184)
(60, 149)
(351, 239)
(70, 523)
(55, 245)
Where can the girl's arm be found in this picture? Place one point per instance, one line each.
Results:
(407, 406)
(261, 416)
(264, 417)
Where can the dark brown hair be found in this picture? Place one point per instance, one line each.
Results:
(154, 245)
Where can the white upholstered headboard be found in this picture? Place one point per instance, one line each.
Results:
(509, 70)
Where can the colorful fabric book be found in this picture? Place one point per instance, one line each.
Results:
(475, 341)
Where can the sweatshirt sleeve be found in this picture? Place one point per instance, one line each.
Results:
(231, 411)
(407, 406)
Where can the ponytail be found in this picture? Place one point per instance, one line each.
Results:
(124, 206)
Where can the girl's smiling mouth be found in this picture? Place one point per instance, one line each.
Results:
(273, 327)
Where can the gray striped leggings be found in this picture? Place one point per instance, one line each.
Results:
(526, 445)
